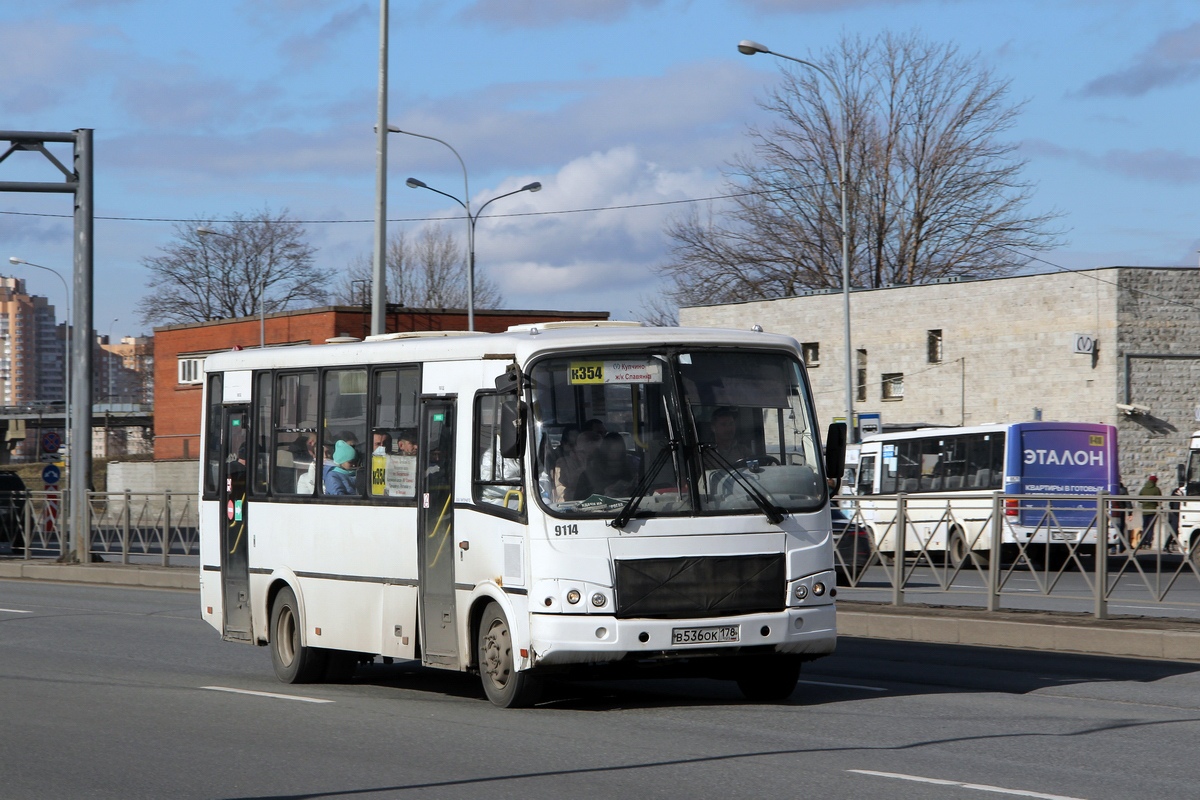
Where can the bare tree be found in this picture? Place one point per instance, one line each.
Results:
(932, 189)
(227, 273)
(428, 272)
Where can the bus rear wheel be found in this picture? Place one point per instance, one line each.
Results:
(503, 684)
(768, 679)
(293, 662)
(961, 553)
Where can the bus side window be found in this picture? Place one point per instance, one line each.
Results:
(393, 448)
(212, 437)
(344, 411)
(498, 481)
(297, 459)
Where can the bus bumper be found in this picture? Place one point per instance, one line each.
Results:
(560, 639)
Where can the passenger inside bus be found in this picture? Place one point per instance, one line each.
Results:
(340, 475)
(570, 467)
(724, 425)
(609, 470)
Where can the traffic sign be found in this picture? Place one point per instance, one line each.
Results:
(51, 441)
(50, 474)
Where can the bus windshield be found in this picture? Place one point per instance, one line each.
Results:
(702, 431)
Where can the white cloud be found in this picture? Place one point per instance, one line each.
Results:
(598, 234)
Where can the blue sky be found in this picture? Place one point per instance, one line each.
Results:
(232, 106)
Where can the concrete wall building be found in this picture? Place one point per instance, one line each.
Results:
(1008, 349)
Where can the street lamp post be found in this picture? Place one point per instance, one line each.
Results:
(262, 283)
(749, 48)
(66, 354)
(466, 204)
(413, 183)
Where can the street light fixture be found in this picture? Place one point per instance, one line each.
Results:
(67, 354)
(749, 48)
(262, 283)
(413, 183)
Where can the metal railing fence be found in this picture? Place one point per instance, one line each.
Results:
(1122, 547)
(125, 527)
(1006, 546)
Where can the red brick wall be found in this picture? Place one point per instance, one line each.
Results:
(177, 408)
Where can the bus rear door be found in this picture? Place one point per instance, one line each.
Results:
(235, 564)
(435, 513)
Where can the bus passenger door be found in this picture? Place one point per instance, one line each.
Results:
(235, 564)
(435, 489)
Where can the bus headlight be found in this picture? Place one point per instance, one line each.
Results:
(801, 591)
(818, 588)
(599, 600)
(573, 596)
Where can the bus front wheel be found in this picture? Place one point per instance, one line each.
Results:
(293, 662)
(768, 679)
(503, 684)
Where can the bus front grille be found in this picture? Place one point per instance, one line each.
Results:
(702, 586)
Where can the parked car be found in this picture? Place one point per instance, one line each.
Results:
(13, 496)
(852, 546)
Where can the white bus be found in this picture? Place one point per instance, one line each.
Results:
(949, 477)
(1189, 506)
(477, 537)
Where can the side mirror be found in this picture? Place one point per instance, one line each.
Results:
(835, 455)
(510, 381)
(1180, 474)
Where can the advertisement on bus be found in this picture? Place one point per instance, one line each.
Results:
(1078, 459)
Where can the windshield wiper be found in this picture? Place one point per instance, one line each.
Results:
(643, 487)
(774, 513)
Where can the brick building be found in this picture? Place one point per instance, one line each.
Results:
(1005, 350)
(179, 352)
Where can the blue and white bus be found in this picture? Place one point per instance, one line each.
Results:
(949, 478)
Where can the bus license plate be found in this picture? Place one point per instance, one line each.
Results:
(1060, 536)
(725, 633)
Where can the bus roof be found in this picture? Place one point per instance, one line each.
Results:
(993, 427)
(521, 343)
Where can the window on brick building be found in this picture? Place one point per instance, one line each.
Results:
(812, 353)
(191, 370)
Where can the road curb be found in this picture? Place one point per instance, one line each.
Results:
(1162, 639)
(110, 574)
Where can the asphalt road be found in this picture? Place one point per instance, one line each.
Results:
(125, 693)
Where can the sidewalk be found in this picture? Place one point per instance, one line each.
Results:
(1138, 637)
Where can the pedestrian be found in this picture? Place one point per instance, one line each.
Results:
(1149, 510)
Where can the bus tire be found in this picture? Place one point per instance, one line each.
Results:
(293, 662)
(768, 679)
(960, 552)
(1192, 549)
(957, 549)
(503, 684)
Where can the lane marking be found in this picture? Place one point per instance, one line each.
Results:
(274, 695)
(14, 611)
(977, 786)
(844, 685)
